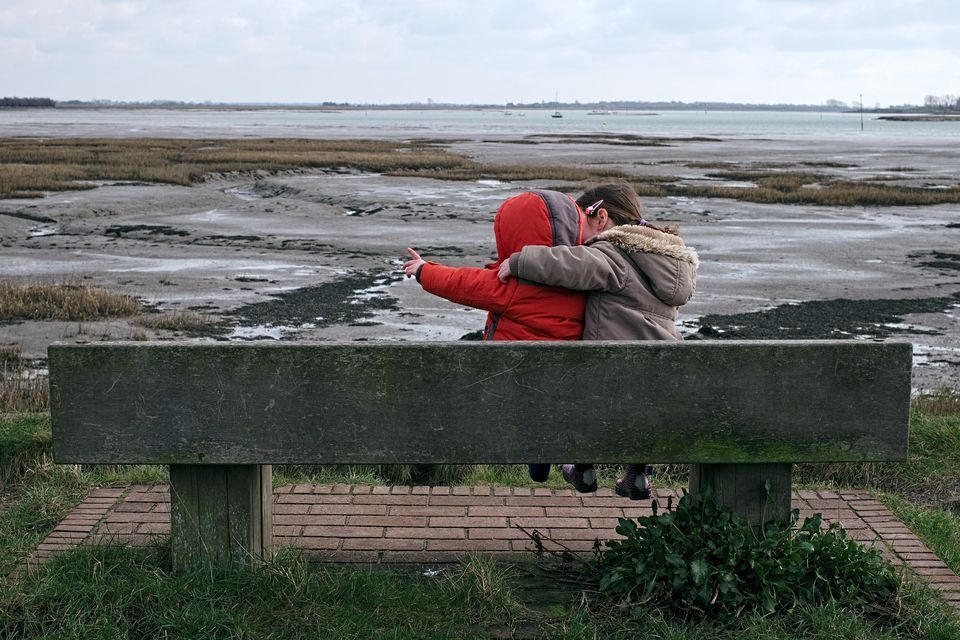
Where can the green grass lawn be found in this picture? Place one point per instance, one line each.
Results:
(105, 592)
(115, 593)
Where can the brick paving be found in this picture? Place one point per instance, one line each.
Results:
(432, 525)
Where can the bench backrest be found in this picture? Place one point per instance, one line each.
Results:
(319, 403)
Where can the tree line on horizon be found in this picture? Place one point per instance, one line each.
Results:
(934, 103)
(946, 102)
(27, 102)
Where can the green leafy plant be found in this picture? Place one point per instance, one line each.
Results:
(700, 556)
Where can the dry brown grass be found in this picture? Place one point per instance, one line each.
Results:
(520, 172)
(945, 402)
(772, 179)
(21, 388)
(705, 164)
(829, 164)
(174, 321)
(30, 166)
(735, 165)
(9, 355)
(74, 302)
(794, 188)
(612, 139)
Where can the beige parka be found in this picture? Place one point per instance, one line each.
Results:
(637, 277)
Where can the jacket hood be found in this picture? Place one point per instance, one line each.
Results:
(666, 264)
(634, 238)
(547, 218)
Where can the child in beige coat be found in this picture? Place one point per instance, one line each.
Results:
(636, 274)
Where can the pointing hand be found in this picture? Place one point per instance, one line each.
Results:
(411, 266)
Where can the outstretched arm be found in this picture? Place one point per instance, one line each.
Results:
(472, 287)
(582, 268)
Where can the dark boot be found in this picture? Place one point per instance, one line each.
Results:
(583, 477)
(539, 472)
(635, 484)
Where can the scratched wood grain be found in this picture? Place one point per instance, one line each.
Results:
(318, 403)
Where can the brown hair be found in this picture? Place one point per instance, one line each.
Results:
(622, 204)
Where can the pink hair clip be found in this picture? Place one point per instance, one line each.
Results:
(589, 211)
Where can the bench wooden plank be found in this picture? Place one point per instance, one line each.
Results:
(318, 403)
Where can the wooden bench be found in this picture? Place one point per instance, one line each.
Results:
(220, 414)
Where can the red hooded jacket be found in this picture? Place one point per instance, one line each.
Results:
(518, 309)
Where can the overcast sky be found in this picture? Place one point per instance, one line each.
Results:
(481, 51)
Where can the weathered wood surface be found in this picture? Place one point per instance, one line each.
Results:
(758, 493)
(220, 513)
(317, 403)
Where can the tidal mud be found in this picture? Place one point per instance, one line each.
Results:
(316, 255)
(348, 300)
(828, 319)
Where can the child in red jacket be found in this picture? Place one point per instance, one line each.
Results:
(517, 310)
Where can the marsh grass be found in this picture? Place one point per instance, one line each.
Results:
(736, 165)
(31, 166)
(82, 302)
(829, 164)
(515, 173)
(175, 321)
(612, 139)
(21, 387)
(780, 180)
(793, 189)
(942, 403)
(9, 355)
(74, 301)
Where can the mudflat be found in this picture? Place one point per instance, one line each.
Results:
(315, 254)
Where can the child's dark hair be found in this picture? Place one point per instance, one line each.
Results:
(622, 204)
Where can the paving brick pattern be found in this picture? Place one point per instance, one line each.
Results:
(430, 525)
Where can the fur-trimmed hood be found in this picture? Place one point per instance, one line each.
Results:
(636, 239)
(668, 267)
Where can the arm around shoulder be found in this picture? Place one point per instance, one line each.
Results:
(583, 268)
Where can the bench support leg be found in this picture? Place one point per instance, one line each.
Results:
(758, 493)
(220, 514)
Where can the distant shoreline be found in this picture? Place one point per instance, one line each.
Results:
(644, 109)
(926, 117)
(476, 108)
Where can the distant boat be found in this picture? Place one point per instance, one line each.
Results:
(556, 106)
